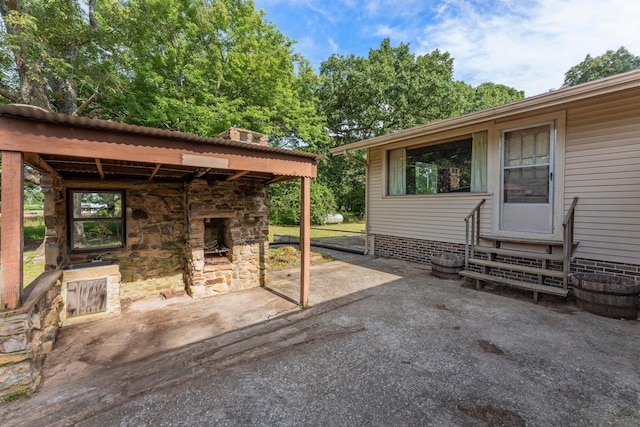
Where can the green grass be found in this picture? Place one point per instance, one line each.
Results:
(33, 228)
(319, 231)
(32, 267)
(286, 257)
(33, 236)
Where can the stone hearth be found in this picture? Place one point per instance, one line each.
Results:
(235, 215)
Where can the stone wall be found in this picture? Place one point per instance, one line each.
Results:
(243, 207)
(164, 241)
(54, 220)
(28, 334)
(153, 260)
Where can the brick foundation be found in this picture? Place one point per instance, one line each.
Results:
(410, 249)
(421, 251)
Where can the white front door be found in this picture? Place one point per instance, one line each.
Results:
(527, 179)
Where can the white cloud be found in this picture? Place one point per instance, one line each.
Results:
(334, 45)
(393, 33)
(529, 45)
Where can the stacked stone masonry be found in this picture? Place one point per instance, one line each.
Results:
(164, 235)
(27, 335)
(242, 208)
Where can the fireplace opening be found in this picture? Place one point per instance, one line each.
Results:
(216, 249)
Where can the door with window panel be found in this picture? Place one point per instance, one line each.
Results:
(527, 179)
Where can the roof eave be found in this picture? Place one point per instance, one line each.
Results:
(552, 99)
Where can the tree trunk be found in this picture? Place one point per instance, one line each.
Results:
(33, 89)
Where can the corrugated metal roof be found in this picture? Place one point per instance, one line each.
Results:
(34, 113)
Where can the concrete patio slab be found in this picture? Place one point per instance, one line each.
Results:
(384, 343)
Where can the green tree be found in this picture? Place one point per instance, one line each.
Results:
(202, 66)
(607, 64)
(54, 54)
(390, 90)
(488, 95)
(285, 203)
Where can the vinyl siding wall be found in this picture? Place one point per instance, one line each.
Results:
(603, 169)
(428, 217)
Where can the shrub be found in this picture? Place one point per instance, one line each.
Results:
(284, 203)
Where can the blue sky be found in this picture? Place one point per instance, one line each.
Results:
(528, 45)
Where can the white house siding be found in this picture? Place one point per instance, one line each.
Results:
(603, 170)
(429, 218)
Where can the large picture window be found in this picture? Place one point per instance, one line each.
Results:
(457, 166)
(96, 219)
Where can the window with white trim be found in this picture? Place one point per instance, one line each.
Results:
(451, 167)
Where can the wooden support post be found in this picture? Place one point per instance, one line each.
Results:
(305, 240)
(12, 247)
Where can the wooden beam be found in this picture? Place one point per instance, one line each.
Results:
(155, 171)
(305, 240)
(53, 139)
(12, 245)
(236, 175)
(99, 166)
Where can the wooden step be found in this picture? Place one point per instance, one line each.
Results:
(517, 267)
(519, 253)
(524, 241)
(552, 290)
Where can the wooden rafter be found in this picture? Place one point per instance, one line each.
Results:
(155, 171)
(236, 175)
(99, 166)
(202, 172)
(34, 160)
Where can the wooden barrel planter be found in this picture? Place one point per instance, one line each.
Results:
(446, 265)
(608, 296)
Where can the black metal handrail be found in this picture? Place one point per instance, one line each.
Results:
(470, 240)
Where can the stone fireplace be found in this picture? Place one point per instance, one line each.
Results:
(228, 236)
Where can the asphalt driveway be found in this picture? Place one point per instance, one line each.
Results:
(383, 344)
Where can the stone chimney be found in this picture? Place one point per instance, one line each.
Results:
(244, 135)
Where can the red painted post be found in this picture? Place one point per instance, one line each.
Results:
(12, 246)
(305, 240)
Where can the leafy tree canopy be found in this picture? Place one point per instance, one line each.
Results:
(390, 90)
(202, 66)
(51, 50)
(608, 64)
(196, 66)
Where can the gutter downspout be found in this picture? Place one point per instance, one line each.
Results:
(366, 197)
